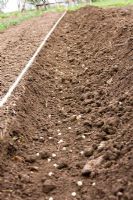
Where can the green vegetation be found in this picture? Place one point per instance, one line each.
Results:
(112, 3)
(12, 19)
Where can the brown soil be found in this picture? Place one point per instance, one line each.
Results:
(17, 45)
(75, 102)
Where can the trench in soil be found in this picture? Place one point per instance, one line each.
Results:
(76, 96)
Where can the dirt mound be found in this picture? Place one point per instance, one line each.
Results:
(71, 128)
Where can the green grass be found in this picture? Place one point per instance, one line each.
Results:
(11, 19)
(112, 3)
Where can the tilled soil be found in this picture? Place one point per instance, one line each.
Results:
(70, 128)
(17, 45)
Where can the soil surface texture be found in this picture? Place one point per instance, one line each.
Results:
(66, 133)
(18, 44)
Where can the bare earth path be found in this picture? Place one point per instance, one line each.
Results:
(17, 45)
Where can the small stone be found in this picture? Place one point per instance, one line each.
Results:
(88, 152)
(92, 166)
(48, 186)
(99, 123)
(88, 123)
(44, 154)
(74, 194)
(88, 110)
(79, 183)
(65, 144)
(88, 133)
(62, 165)
(79, 137)
(18, 158)
(34, 168)
(31, 158)
(41, 139)
(101, 145)
(73, 118)
(43, 179)
(120, 194)
(24, 178)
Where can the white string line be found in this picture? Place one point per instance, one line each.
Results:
(28, 65)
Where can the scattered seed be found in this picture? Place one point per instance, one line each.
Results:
(60, 141)
(49, 159)
(82, 152)
(74, 194)
(41, 139)
(55, 165)
(64, 148)
(53, 155)
(50, 138)
(71, 150)
(78, 117)
(14, 112)
(79, 183)
(50, 173)
(94, 184)
(109, 81)
(59, 133)
(51, 198)
(58, 130)
(69, 128)
(38, 154)
(49, 116)
(83, 136)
